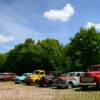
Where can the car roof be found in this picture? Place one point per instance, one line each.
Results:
(95, 65)
(39, 70)
(27, 73)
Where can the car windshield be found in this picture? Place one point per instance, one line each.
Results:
(97, 68)
(37, 72)
(26, 74)
(71, 74)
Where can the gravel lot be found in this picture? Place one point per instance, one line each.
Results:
(11, 91)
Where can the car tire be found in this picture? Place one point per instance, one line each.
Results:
(70, 85)
(98, 84)
(58, 87)
(36, 83)
(16, 82)
(41, 85)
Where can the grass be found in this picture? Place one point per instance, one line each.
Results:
(11, 91)
(78, 94)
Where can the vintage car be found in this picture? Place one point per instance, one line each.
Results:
(7, 76)
(20, 79)
(35, 78)
(91, 77)
(49, 79)
(69, 80)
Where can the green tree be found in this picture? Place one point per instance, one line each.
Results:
(20, 59)
(3, 58)
(46, 54)
(52, 55)
(84, 49)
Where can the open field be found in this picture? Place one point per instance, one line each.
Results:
(11, 91)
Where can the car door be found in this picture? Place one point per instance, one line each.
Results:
(78, 78)
(41, 74)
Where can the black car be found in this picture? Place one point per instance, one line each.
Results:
(49, 79)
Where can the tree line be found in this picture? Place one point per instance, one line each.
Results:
(81, 52)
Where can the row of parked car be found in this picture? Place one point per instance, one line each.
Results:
(39, 78)
(56, 79)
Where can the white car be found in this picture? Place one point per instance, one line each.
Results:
(70, 80)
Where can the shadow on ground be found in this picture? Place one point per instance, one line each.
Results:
(87, 89)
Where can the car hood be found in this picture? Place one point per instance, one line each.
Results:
(66, 78)
(20, 77)
(92, 73)
(31, 76)
(49, 77)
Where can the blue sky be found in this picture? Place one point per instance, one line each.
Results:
(41, 19)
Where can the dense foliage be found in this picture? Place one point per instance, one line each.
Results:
(46, 54)
(82, 51)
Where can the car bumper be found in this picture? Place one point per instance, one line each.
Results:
(28, 82)
(87, 84)
(61, 85)
(18, 81)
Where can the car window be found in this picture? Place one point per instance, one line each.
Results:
(97, 68)
(29, 74)
(82, 74)
(36, 72)
(78, 74)
(25, 74)
(42, 73)
(71, 74)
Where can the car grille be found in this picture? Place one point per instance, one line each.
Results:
(61, 82)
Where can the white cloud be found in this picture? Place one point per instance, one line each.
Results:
(5, 39)
(96, 25)
(62, 15)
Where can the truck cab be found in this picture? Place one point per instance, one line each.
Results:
(70, 80)
(49, 80)
(35, 78)
(91, 77)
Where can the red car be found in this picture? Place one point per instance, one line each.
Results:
(7, 76)
(91, 77)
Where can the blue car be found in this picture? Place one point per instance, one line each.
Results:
(20, 79)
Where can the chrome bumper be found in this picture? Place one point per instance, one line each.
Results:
(88, 84)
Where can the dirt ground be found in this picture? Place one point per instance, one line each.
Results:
(11, 91)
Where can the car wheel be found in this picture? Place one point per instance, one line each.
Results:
(41, 85)
(21, 81)
(58, 87)
(30, 84)
(16, 82)
(70, 85)
(98, 84)
(36, 83)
